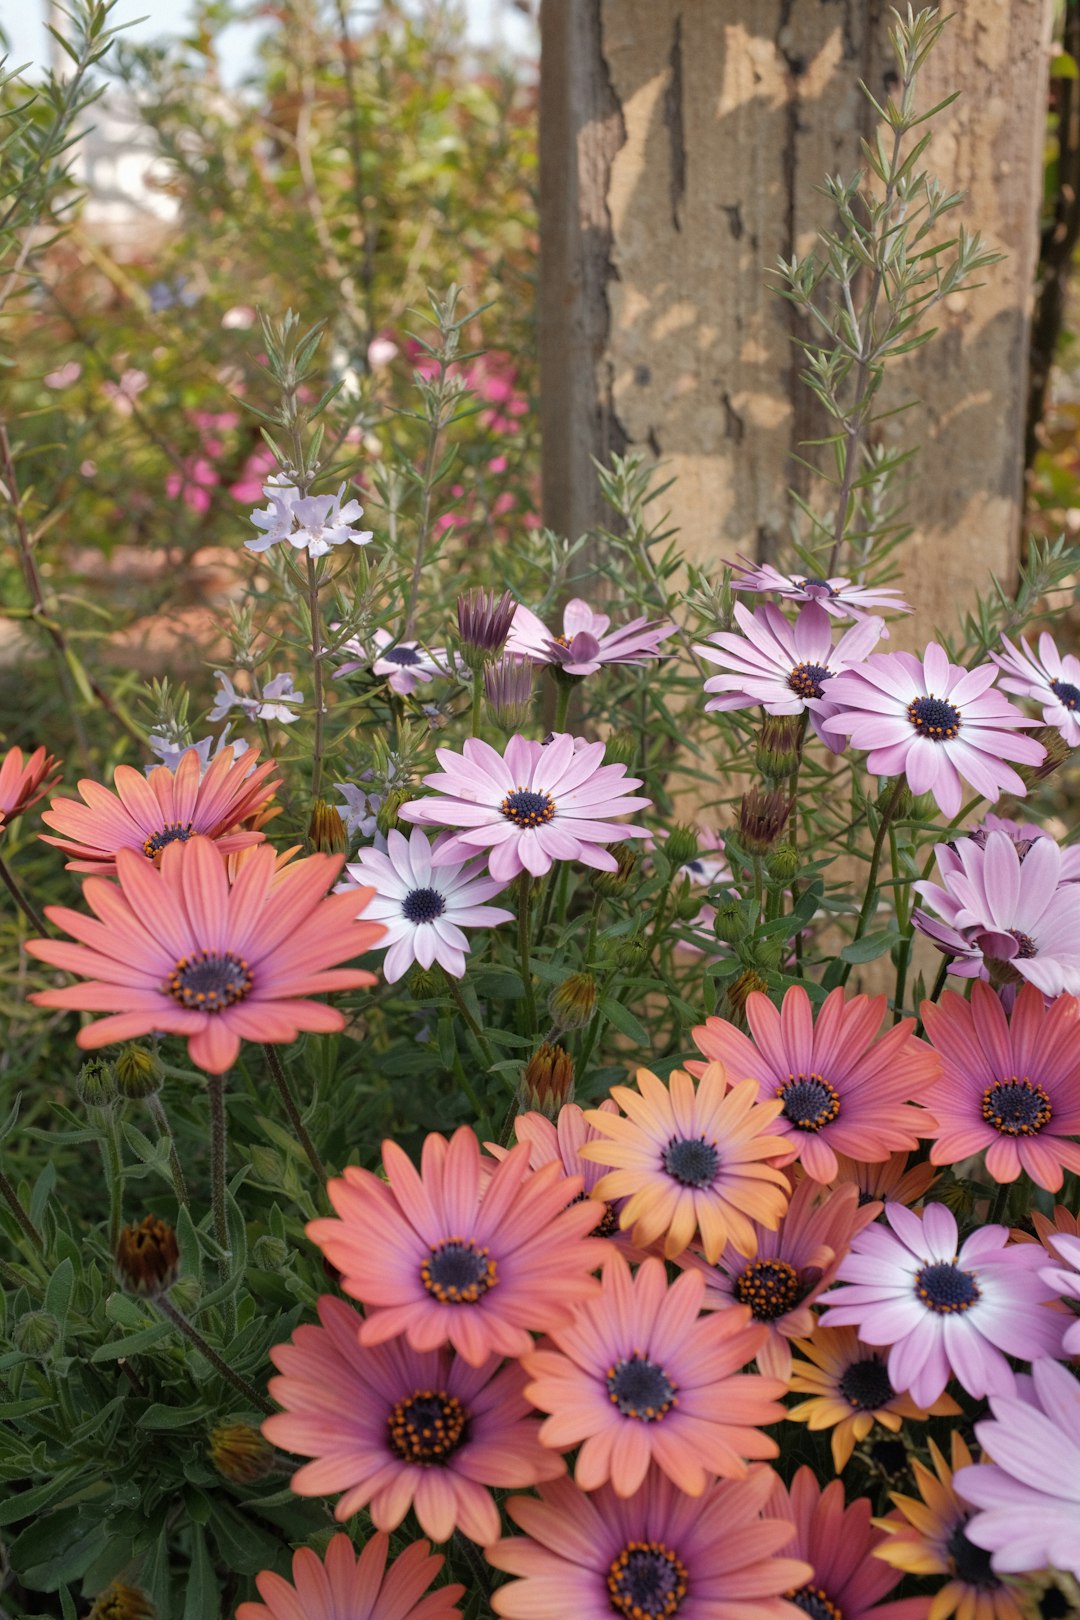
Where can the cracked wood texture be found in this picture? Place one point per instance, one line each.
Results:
(681, 145)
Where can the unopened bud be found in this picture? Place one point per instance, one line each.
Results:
(779, 745)
(508, 692)
(730, 924)
(484, 621)
(548, 1080)
(269, 1253)
(762, 819)
(613, 883)
(572, 1003)
(687, 903)
(425, 985)
(240, 1454)
(681, 845)
(120, 1602)
(387, 818)
(147, 1258)
(326, 830)
(735, 996)
(630, 955)
(139, 1072)
(783, 863)
(621, 748)
(95, 1083)
(905, 802)
(36, 1333)
(1057, 752)
(266, 1163)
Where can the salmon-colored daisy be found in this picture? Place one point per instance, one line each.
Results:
(841, 1090)
(890, 1181)
(926, 1537)
(640, 1376)
(177, 950)
(435, 1256)
(148, 814)
(689, 1160)
(396, 1428)
(787, 1269)
(838, 1541)
(1009, 1087)
(23, 781)
(850, 1390)
(1046, 1227)
(658, 1554)
(342, 1586)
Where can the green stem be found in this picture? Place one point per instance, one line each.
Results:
(219, 1364)
(317, 673)
(549, 898)
(156, 1109)
(36, 922)
(564, 690)
(462, 1006)
(9, 1193)
(939, 985)
(215, 1086)
(759, 888)
(280, 1080)
(875, 861)
(477, 695)
(594, 1026)
(524, 892)
(1001, 1198)
(114, 1172)
(594, 922)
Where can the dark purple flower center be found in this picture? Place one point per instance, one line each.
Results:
(423, 905)
(889, 1457)
(1066, 693)
(971, 1563)
(458, 1272)
(821, 586)
(647, 1581)
(691, 1161)
(608, 1224)
(641, 1388)
(173, 832)
(806, 680)
(209, 981)
(405, 656)
(812, 1600)
(427, 1428)
(866, 1384)
(1016, 1107)
(1055, 1604)
(1026, 947)
(810, 1102)
(934, 718)
(771, 1288)
(528, 809)
(944, 1288)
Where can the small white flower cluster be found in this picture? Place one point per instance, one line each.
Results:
(278, 700)
(311, 523)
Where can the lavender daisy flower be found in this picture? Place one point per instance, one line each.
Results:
(1065, 1281)
(1051, 679)
(586, 643)
(935, 722)
(311, 523)
(424, 908)
(945, 1310)
(228, 698)
(1029, 1496)
(1003, 916)
(784, 666)
(279, 699)
(840, 597)
(406, 664)
(535, 804)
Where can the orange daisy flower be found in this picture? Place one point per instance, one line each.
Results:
(850, 1390)
(147, 814)
(22, 781)
(176, 949)
(888, 1182)
(689, 1160)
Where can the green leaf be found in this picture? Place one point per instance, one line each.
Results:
(133, 1343)
(1063, 66)
(172, 1417)
(624, 1021)
(58, 1294)
(201, 1598)
(58, 1548)
(871, 946)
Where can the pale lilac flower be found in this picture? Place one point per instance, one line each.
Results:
(228, 698)
(311, 523)
(1051, 679)
(933, 722)
(124, 393)
(535, 804)
(279, 699)
(406, 664)
(1017, 917)
(64, 376)
(784, 666)
(359, 809)
(1029, 1495)
(946, 1310)
(586, 643)
(1065, 1281)
(171, 750)
(839, 596)
(424, 907)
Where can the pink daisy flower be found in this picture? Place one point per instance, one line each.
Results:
(784, 666)
(1009, 1087)
(839, 596)
(1065, 1281)
(346, 1587)
(535, 804)
(424, 908)
(175, 949)
(586, 642)
(842, 1089)
(1004, 916)
(404, 665)
(430, 1260)
(641, 1377)
(945, 1310)
(660, 1553)
(395, 1428)
(148, 813)
(23, 781)
(789, 1269)
(1049, 678)
(935, 722)
(1029, 1495)
(1023, 835)
(839, 1541)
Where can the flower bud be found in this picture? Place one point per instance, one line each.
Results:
(782, 864)
(139, 1072)
(905, 802)
(687, 902)
(484, 622)
(269, 1253)
(508, 693)
(425, 985)
(326, 830)
(733, 1007)
(548, 1080)
(185, 1293)
(612, 883)
(240, 1454)
(95, 1083)
(147, 1258)
(1057, 752)
(120, 1602)
(762, 819)
(621, 748)
(730, 924)
(36, 1333)
(779, 745)
(682, 845)
(630, 955)
(572, 1003)
(387, 818)
(266, 1164)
